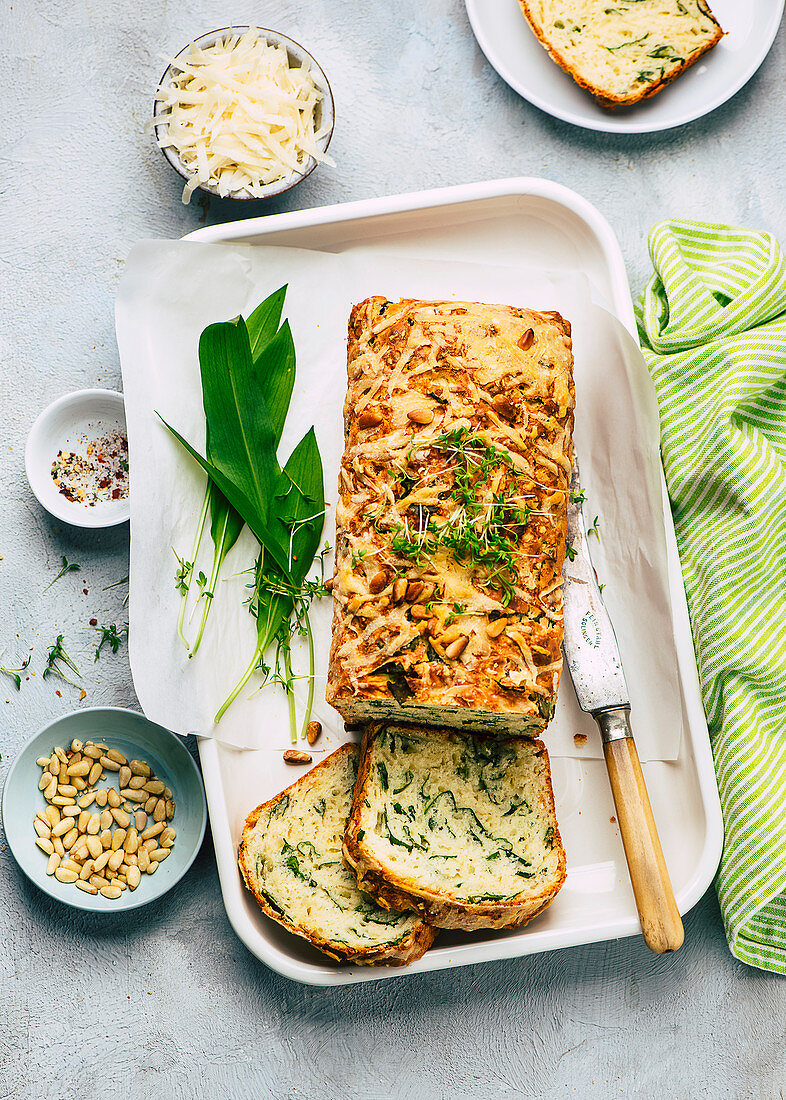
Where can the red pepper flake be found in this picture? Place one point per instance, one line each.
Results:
(94, 622)
(100, 474)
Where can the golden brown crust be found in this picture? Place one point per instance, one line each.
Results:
(611, 103)
(405, 893)
(410, 947)
(427, 564)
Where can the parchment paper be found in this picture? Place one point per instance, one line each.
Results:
(171, 290)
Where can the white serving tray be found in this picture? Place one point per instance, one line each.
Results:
(520, 221)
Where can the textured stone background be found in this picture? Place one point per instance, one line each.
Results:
(167, 1002)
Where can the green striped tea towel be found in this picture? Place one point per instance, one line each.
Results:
(712, 325)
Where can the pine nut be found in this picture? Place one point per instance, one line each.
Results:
(124, 775)
(313, 730)
(84, 817)
(94, 847)
(159, 854)
(53, 863)
(43, 761)
(167, 793)
(111, 892)
(58, 846)
(76, 745)
(526, 340)
(54, 764)
(421, 415)
(118, 837)
(82, 768)
(113, 798)
(60, 754)
(70, 839)
(94, 825)
(116, 859)
(87, 799)
(137, 782)
(131, 859)
(44, 781)
(60, 800)
(292, 756)
(42, 829)
(134, 796)
(81, 851)
(115, 754)
(455, 649)
(98, 881)
(153, 786)
(106, 839)
(52, 815)
(88, 869)
(134, 877)
(121, 883)
(110, 765)
(369, 418)
(71, 865)
(139, 767)
(153, 830)
(167, 838)
(63, 875)
(131, 842)
(150, 805)
(63, 827)
(122, 818)
(41, 816)
(62, 775)
(143, 860)
(45, 844)
(152, 867)
(150, 845)
(95, 773)
(102, 797)
(159, 810)
(87, 887)
(106, 819)
(50, 791)
(92, 751)
(140, 820)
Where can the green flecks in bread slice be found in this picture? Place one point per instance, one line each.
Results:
(460, 828)
(290, 859)
(623, 51)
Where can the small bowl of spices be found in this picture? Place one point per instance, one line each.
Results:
(77, 459)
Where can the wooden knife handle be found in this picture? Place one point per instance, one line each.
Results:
(660, 919)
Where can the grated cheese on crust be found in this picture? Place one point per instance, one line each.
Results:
(451, 519)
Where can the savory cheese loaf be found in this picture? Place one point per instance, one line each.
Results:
(290, 858)
(451, 519)
(460, 828)
(623, 51)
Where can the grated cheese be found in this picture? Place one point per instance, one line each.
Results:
(239, 116)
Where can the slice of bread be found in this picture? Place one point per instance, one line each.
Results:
(458, 827)
(623, 51)
(290, 859)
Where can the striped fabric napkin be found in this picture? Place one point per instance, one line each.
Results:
(712, 325)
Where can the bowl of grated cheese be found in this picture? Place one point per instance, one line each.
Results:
(243, 113)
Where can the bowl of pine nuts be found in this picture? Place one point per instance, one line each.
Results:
(104, 810)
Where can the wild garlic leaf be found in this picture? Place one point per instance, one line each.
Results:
(263, 324)
(274, 370)
(300, 505)
(240, 432)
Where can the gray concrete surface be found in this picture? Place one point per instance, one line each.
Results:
(167, 1002)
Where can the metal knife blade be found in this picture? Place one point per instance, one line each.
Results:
(589, 643)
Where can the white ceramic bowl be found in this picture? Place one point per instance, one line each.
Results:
(62, 426)
(324, 115)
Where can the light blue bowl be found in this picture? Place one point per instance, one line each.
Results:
(136, 738)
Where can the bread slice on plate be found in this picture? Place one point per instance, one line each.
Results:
(290, 859)
(458, 827)
(623, 51)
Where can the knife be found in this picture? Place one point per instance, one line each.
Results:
(593, 657)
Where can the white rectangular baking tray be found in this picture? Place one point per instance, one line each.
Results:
(519, 221)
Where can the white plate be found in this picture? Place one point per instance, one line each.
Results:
(505, 222)
(507, 40)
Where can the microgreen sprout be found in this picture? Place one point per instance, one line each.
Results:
(111, 636)
(68, 567)
(57, 659)
(14, 673)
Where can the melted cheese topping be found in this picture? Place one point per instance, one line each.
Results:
(240, 116)
(452, 509)
(621, 47)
